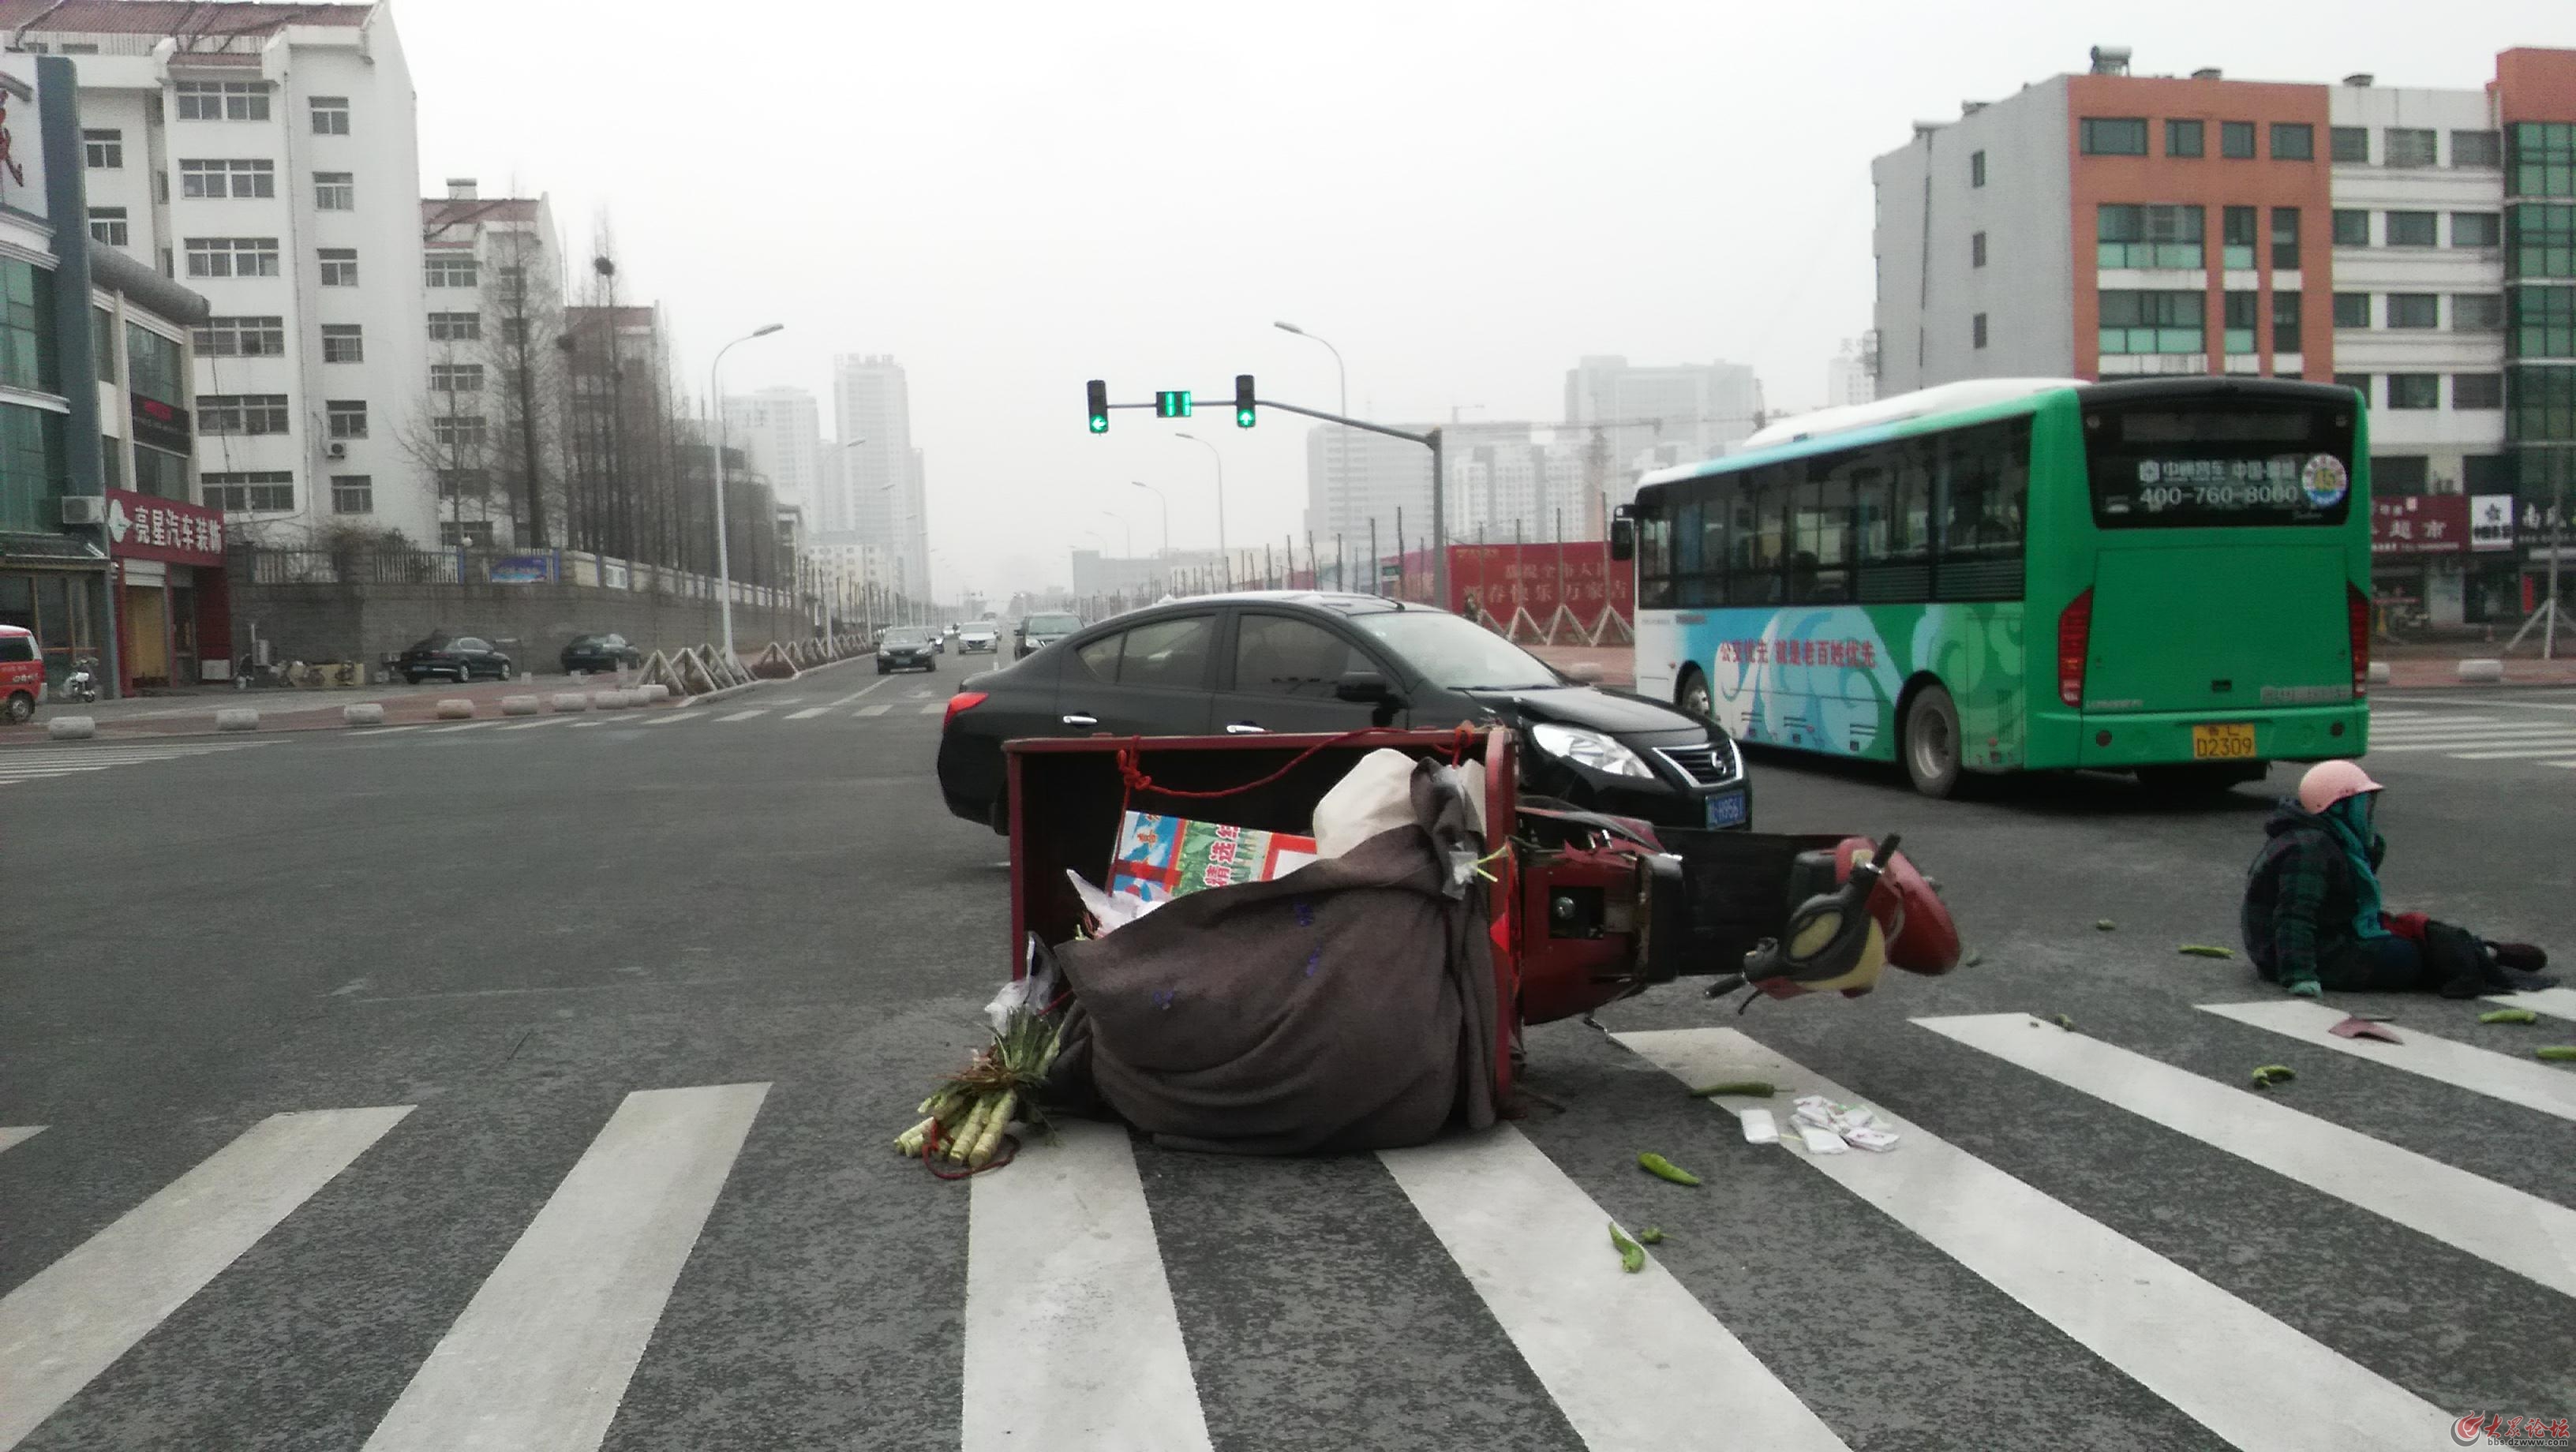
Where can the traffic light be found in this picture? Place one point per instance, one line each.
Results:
(1172, 403)
(1243, 400)
(1099, 390)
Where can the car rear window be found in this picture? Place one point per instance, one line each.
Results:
(1052, 624)
(17, 649)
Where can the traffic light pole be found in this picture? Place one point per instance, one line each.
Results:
(1439, 505)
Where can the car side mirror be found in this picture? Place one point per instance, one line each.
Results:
(1623, 539)
(1366, 686)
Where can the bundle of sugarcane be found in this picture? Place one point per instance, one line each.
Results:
(965, 1118)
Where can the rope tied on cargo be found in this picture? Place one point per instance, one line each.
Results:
(1132, 772)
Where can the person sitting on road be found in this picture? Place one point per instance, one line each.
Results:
(2313, 918)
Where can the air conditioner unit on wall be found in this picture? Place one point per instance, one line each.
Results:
(339, 451)
(84, 509)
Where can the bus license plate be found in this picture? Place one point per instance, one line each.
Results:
(1726, 811)
(2233, 742)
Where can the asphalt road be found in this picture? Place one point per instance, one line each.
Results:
(530, 1088)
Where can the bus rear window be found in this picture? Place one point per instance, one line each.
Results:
(2167, 467)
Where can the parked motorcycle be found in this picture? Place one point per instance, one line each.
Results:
(82, 684)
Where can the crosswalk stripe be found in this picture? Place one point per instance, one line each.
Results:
(2559, 763)
(808, 712)
(32, 773)
(541, 1356)
(2380, 739)
(71, 1320)
(1071, 1338)
(744, 715)
(2496, 1223)
(466, 726)
(935, 708)
(1535, 1248)
(2559, 747)
(679, 715)
(2527, 1082)
(2555, 1002)
(861, 691)
(579, 724)
(2430, 730)
(879, 709)
(2257, 1383)
(19, 1134)
(2552, 741)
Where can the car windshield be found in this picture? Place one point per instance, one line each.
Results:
(907, 636)
(1452, 653)
(1052, 624)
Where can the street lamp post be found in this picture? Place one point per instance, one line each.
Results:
(1123, 524)
(1220, 502)
(724, 555)
(1341, 471)
(1167, 512)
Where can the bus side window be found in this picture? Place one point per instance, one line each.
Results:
(1654, 557)
(1771, 508)
(1712, 545)
(1744, 581)
(1984, 487)
(1895, 545)
(1689, 588)
(1820, 562)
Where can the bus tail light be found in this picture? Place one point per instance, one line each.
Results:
(2356, 610)
(2074, 641)
(962, 701)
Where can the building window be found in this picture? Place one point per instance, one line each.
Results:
(2477, 148)
(232, 257)
(2541, 237)
(2414, 229)
(513, 284)
(347, 417)
(2477, 390)
(152, 367)
(2477, 312)
(330, 115)
(2477, 229)
(2286, 332)
(2112, 135)
(104, 150)
(456, 377)
(353, 494)
(2351, 144)
(2542, 157)
(2400, 473)
(1977, 249)
(2285, 239)
(2408, 146)
(227, 178)
(2352, 310)
(242, 338)
(343, 343)
(2415, 390)
(2236, 239)
(107, 225)
(27, 357)
(2236, 140)
(2414, 310)
(269, 491)
(1977, 330)
(2358, 383)
(2153, 322)
(2351, 227)
(2148, 236)
(450, 269)
(458, 431)
(339, 266)
(1976, 168)
(455, 327)
(2182, 138)
(221, 100)
(2543, 320)
(467, 482)
(335, 191)
(2243, 315)
(241, 413)
(2293, 141)
(102, 343)
(465, 534)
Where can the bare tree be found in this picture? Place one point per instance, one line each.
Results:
(452, 438)
(522, 363)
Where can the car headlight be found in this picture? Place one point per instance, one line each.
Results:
(1589, 748)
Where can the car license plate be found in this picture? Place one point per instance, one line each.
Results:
(1726, 811)
(2231, 742)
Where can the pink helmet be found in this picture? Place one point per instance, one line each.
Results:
(2329, 782)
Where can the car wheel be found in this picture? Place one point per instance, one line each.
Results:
(1693, 696)
(22, 708)
(881, 667)
(1931, 743)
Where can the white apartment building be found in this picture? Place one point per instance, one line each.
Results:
(780, 431)
(492, 300)
(1655, 416)
(1848, 379)
(265, 155)
(883, 499)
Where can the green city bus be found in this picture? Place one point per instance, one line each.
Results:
(2165, 576)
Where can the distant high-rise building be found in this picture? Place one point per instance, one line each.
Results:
(493, 311)
(1847, 377)
(882, 474)
(780, 429)
(1676, 413)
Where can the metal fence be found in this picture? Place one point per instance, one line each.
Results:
(267, 565)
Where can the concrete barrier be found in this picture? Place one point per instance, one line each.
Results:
(237, 718)
(651, 694)
(2380, 674)
(518, 705)
(455, 708)
(2482, 670)
(571, 701)
(71, 728)
(367, 713)
(607, 700)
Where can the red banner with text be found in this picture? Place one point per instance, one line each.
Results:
(1504, 581)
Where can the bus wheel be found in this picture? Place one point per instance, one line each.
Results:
(1932, 742)
(1693, 696)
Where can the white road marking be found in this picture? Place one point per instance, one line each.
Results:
(861, 691)
(577, 725)
(467, 726)
(878, 709)
(2496, 1223)
(917, 695)
(541, 1356)
(71, 1320)
(1072, 1344)
(541, 721)
(935, 708)
(2559, 747)
(19, 1134)
(684, 714)
(744, 715)
(2527, 1082)
(2257, 1383)
(2555, 1002)
(389, 730)
(808, 712)
(1628, 1358)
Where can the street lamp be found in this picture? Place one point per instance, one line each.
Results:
(1220, 499)
(1167, 511)
(1123, 524)
(1342, 379)
(724, 556)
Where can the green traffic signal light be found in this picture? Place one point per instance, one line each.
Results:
(1243, 418)
(1098, 393)
(1243, 400)
(1099, 423)
(1172, 403)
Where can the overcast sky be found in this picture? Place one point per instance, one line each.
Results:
(1015, 196)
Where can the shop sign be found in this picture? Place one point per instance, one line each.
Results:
(147, 527)
(522, 570)
(2419, 524)
(2491, 522)
(161, 425)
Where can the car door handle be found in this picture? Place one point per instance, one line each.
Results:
(1245, 728)
(1080, 721)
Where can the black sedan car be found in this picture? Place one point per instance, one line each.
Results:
(457, 657)
(593, 654)
(1041, 630)
(908, 648)
(1299, 661)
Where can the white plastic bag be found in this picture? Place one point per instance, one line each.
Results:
(1374, 796)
